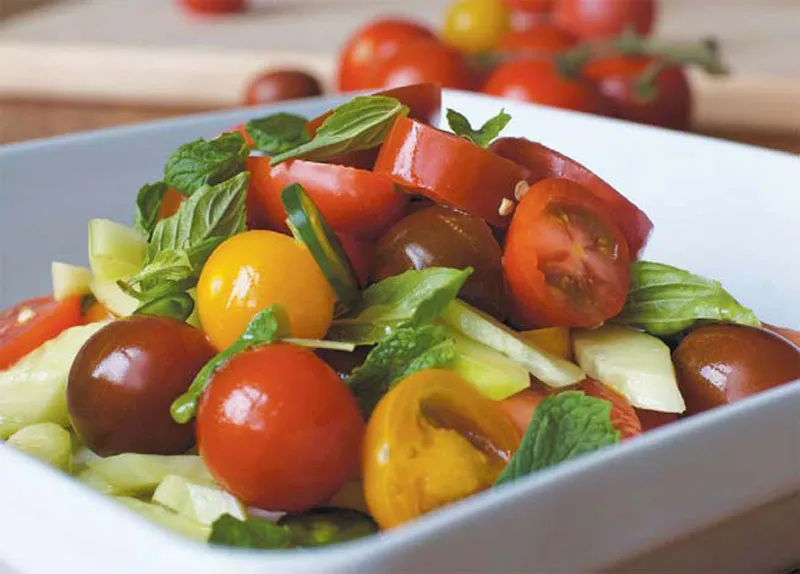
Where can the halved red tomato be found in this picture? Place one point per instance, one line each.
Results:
(542, 162)
(353, 201)
(29, 324)
(449, 169)
(566, 263)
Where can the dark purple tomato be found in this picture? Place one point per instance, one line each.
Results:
(124, 379)
(441, 237)
(278, 85)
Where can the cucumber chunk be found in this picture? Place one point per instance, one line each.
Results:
(48, 442)
(195, 501)
(115, 250)
(492, 373)
(139, 474)
(113, 297)
(167, 519)
(69, 280)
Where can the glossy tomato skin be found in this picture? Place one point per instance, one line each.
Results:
(537, 80)
(29, 324)
(603, 18)
(538, 39)
(651, 420)
(425, 60)
(566, 263)
(278, 429)
(279, 85)
(214, 6)
(670, 105)
(371, 45)
(541, 162)
(353, 201)
(720, 364)
(448, 169)
(360, 253)
(441, 237)
(790, 334)
(125, 378)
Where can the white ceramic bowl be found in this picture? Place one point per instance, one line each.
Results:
(720, 209)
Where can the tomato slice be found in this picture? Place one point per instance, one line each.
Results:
(449, 169)
(542, 162)
(566, 263)
(29, 324)
(353, 201)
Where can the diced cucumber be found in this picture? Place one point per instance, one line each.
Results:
(492, 373)
(198, 502)
(69, 280)
(115, 250)
(634, 363)
(167, 519)
(113, 297)
(551, 370)
(48, 442)
(33, 390)
(140, 474)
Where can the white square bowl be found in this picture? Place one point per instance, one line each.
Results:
(724, 210)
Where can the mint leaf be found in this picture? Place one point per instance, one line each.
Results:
(250, 533)
(411, 299)
(361, 123)
(178, 306)
(278, 133)
(564, 426)
(263, 329)
(664, 300)
(483, 136)
(148, 204)
(204, 162)
(396, 356)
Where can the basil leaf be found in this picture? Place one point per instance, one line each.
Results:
(263, 329)
(204, 162)
(664, 300)
(398, 355)
(251, 533)
(483, 136)
(148, 204)
(411, 299)
(167, 265)
(361, 123)
(278, 133)
(327, 525)
(564, 426)
(178, 306)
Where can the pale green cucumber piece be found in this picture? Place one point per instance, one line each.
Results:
(139, 474)
(33, 390)
(551, 370)
(113, 297)
(69, 280)
(48, 442)
(115, 250)
(199, 502)
(167, 519)
(492, 373)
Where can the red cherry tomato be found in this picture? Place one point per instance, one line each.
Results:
(539, 39)
(278, 428)
(539, 81)
(353, 201)
(448, 169)
(360, 253)
(30, 323)
(669, 106)
(538, 6)
(602, 18)
(372, 44)
(566, 263)
(542, 162)
(214, 6)
(425, 60)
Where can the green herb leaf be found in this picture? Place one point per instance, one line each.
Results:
(278, 133)
(664, 300)
(483, 136)
(168, 265)
(327, 525)
(398, 355)
(264, 328)
(148, 203)
(411, 299)
(250, 533)
(204, 162)
(564, 426)
(361, 123)
(178, 306)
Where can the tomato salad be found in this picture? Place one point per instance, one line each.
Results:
(358, 319)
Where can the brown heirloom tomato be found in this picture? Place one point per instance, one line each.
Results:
(278, 85)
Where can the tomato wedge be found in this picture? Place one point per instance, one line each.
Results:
(566, 263)
(542, 162)
(32, 322)
(353, 201)
(449, 169)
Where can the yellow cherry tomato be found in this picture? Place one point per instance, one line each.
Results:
(476, 25)
(253, 270)
(555, 340)
(432, 440)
